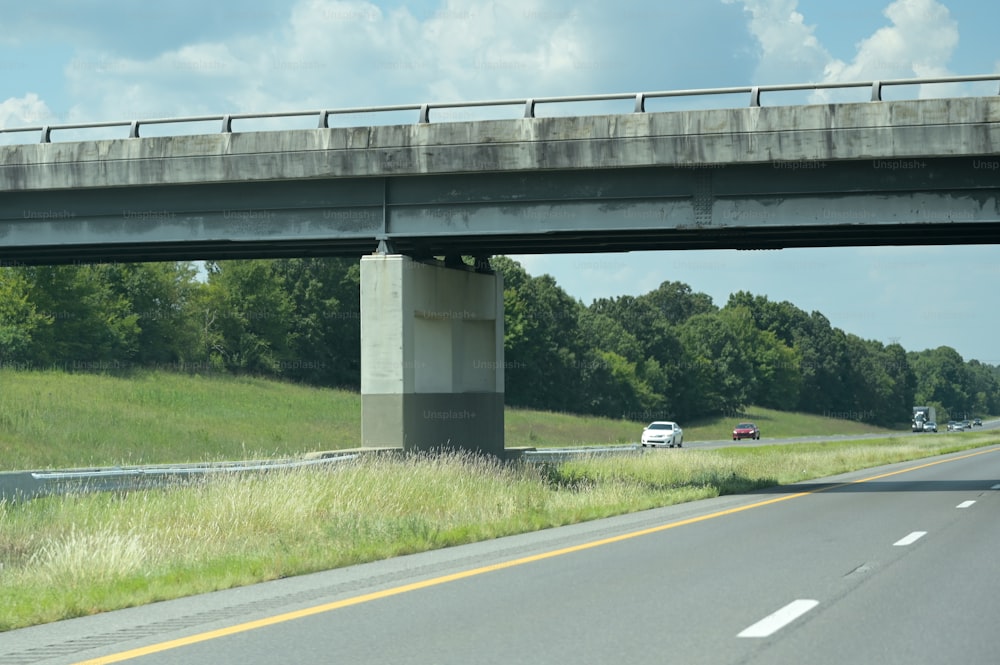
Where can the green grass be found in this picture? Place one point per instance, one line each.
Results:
(54, 419)
(69, 556)
(782, 424)
(74, 555)
(58, 420)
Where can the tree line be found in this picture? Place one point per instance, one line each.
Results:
(667, 354)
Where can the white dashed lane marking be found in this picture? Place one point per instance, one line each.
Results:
(965, 504)
(910, 539)
(775, 622)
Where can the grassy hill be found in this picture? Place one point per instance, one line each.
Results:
(74, 555)
(54, 419)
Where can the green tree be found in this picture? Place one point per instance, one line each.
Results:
(161, 296)
(985, 389)
(775, 377)
(245, 316)
(651, 321)
(676, 302)
(616, 389)
(618, 380)
(823, 352)
(541, 343)
(93, 327)
(899, 403)
(869, 382)
(324, 329)
(943, 378)
(19, 319)
(719, 367)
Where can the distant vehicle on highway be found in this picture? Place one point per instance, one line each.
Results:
(662, 433)
(921, 414)
(746, 431)
(955, 426)
(930, 426)
(978, 422)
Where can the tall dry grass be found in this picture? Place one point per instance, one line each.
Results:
(73, 555)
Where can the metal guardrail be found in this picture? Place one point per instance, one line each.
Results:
(27, 485)
(550, 455)
(529, 104)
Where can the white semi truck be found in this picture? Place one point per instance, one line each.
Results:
(921, 415)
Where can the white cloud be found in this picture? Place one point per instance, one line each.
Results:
(356, 53)
(921, 40)
(24, 111)
(330, 53)
(789, 51)
(484, 51)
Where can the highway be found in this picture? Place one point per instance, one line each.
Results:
(766, 441)
(895, 565)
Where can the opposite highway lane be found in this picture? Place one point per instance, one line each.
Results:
(890, 565)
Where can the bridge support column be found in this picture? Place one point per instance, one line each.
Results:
(431, 356)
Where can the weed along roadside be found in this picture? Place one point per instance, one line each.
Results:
(74, 555)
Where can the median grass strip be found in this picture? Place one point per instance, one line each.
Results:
(74, 555)
(56, 420)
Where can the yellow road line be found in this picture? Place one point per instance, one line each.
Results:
(444, 579)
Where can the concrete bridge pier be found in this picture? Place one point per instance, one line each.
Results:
(431, 355)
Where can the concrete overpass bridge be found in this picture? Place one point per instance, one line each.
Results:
(905, 172)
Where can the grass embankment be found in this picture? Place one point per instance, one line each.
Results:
(53, 419)
(534, 428)
(69, 556)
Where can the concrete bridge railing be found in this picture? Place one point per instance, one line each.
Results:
(530, 105)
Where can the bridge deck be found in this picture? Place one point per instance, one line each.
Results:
(901, 172)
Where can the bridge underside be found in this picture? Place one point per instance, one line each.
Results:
(750, 206)
(625, 241)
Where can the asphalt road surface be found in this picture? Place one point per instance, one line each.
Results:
(765, 441)
(896, 565)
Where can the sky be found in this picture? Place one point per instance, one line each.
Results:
(67, 61)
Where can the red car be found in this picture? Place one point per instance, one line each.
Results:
(745, 431)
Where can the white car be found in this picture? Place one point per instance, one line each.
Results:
(662, 433)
